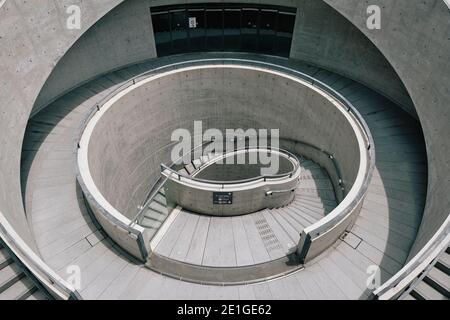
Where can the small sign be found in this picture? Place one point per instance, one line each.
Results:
(223, 198)
(193, 22)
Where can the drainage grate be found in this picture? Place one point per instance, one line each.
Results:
(351, 239)
(268, 237)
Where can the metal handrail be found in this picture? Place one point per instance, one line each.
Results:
(156, 182)
(263, 177)
(302, 75)
(271, 192)
(309, 79)
(397, 284)
(175, 65)
(204, 143)
(57, 286)
(154, 191)
(164, 179)
(151, 197)
(447, 2)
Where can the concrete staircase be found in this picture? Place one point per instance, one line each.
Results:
(14, 282)
(196, 165)
(436, 284)
(155, 213)
(386, 227)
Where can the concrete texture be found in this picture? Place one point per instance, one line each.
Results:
(415, 39)
(33, 38)
(247, 186)
(15, 283)
(250, 239)
(121, 38)
(123, 148)
(325, 38)
(322, 38)
(29, 32)
(386, 227)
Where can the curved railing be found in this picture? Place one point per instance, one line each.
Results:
(159, 183)
(402, 280)
(447, 2)
(291, 156)
(327, 230)
(243, 196)
(58, 287)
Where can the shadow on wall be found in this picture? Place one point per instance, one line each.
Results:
(398, 190)
(401, 168)
(40, 127)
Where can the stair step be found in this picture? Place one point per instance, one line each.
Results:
(183, 172)
(160, 198)
(29, 293)
(204, 159)
(38, 295)
(423, 291)
(154, 215)
(409, 297)
(439, 281)
(150, 223)
(190, 168)
(443, 263)
(156, 206)
(197, 163)
(9, 276)
(18, 290)
(5, 258)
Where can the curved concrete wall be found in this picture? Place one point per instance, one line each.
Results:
(325, 38)
(123, 37)
(322, 37)
(414, 37)
(122, 157)
(33, 37)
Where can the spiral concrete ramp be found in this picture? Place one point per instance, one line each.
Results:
(395, 77)
(66, 235)
(15, 283)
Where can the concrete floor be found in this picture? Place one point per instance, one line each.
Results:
(66, 235)
(251, 239)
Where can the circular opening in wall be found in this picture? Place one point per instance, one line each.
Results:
(235, 182)
(246, 165)
(144, 201)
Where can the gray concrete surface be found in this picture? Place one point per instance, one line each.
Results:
(415, 39)
(121, 38)
(322, 37)
(15, 282)
(27, 64)
(386, 227)
(250, 190)
(250, 239)
(33, 38)
(124, 148)
(422, 65)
